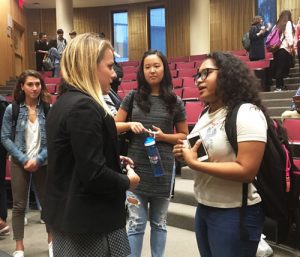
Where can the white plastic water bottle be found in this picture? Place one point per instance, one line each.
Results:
(154, 157)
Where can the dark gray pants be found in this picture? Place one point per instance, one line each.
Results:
(20, 182)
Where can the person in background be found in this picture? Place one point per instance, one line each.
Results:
(155, 107)
(73, 34)
(86, 189)
(55, 58)
(257, 35)
(297, 39)
(224, 82)
(283, 56)
(294, 111)
(26, 144)
(61, 42)
(4, 228)
(40, 50)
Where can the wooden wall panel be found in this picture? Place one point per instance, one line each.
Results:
(137, 31)
(8, 40)
(229, 20)
(34, 25)
(178, 27)
(292, 5)
(98, 19)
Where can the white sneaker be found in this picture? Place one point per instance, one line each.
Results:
(18, 254)
(50, 245)
(25, 221)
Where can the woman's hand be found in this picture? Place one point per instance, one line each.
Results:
(133, 178)
(157, 133)
(190, 154)
(178, 150)
(137, 127)
(126, 161)
(31, 165)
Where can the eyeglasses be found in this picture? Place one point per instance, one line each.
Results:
(203, 74)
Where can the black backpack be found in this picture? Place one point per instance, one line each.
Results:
(3, 105)
(246, 42)
(275, 180)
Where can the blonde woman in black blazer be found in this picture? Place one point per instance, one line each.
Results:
(85, 197)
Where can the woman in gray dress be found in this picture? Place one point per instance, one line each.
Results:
(156, 108)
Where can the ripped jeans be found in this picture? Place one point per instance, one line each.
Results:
(138, 216)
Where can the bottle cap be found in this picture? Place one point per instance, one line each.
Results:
(149, 141)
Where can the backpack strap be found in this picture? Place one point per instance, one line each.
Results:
(288, 164)
(231, 132)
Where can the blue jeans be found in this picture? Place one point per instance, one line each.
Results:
(218, 231)
(138, 216)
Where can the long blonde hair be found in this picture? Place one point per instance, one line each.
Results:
(79, 64)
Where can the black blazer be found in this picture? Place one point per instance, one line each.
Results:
(257, 43)
(85, 189)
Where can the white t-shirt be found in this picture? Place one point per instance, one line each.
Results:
(219, 192)
(33, 139)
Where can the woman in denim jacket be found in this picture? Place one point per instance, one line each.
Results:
(26, 144)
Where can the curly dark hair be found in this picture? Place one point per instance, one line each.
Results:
(18, 93)
(166, 85)
(236, 84)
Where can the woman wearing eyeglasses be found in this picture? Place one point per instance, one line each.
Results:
(225, 82)
(155, 107)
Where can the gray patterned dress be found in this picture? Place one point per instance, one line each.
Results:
(159, 117)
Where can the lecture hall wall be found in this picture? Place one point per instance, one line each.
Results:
(227, 22)
(13, 46)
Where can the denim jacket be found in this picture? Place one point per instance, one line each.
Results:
(17, 148)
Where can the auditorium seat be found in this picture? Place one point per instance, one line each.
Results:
(129, 69)
(53, 98)
(128, 85)
(52, 80)
(193, 111)
(172, 66)
(190, 94)
(7, 170)
(178, 91)
(9, 98)
(51, 88)
(177, 82)
(239, 52)
(199, 57)
(174, 73)
(179, 59)
(186, 73)
(297, 162)
(292, 127)
(189, 82)
(129, 63)
(243, 58)
(129, 76)
(185, 65)
(123, 93)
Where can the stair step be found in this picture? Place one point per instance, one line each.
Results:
(184, 192)
(276, 111)
(181, 216)
(278, 95)
(277, 102)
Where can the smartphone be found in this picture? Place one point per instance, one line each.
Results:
(202, 152)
